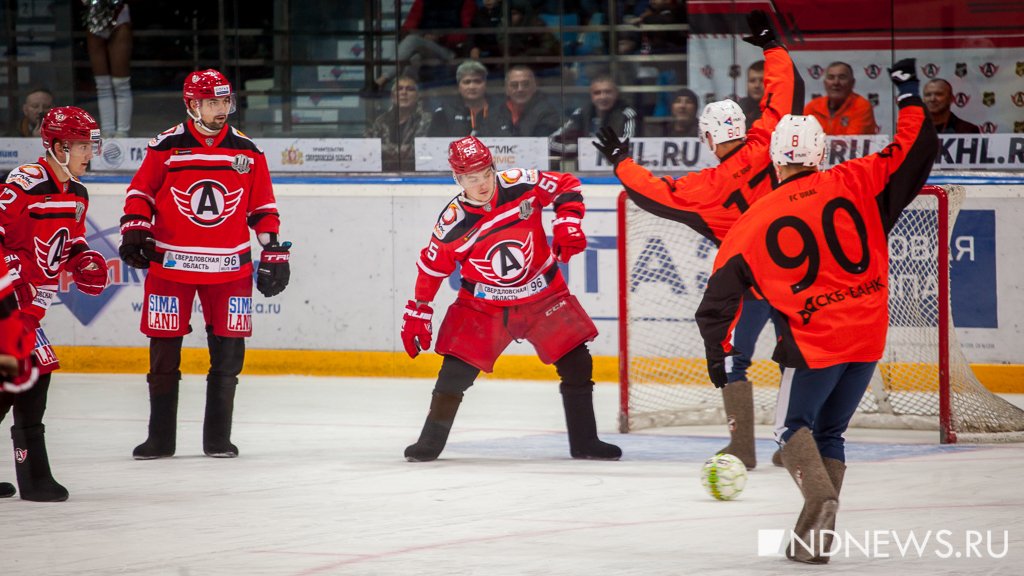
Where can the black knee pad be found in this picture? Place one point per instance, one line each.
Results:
(165, 355)
(227, 355)
(456, 376)
(30, 405)
(576, 369)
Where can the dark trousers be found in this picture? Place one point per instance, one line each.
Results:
(754, 316)
(823, 400)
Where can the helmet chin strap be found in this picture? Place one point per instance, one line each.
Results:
(64, 165)
(197, 119)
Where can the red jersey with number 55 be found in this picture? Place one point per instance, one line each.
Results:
(501, 246)
(203, 193)
(816, 249)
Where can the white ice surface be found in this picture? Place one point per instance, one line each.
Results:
(321, 488)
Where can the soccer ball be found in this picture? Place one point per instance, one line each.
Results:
(724, 476)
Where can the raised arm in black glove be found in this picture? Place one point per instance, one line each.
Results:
(904, 76)
(609, 145)
(761, 33)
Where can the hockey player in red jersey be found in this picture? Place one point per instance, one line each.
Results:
(816, 248)
(710, 201)
(187, 215)
(42, 232)
(511, 289)
(17, 339)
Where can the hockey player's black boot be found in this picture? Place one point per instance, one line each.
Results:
(7, 490)
(584, 444)
(220, 405)
(227, 355)
(163, 417)
(434, 436)
(35, 481)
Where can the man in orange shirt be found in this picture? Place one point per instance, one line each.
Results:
(841, 111)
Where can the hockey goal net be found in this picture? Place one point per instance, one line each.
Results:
(923, 381)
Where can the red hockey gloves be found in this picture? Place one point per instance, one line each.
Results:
(761, 33)
(89, 271)
(274, 272)
(569, 239)
(17, 339)
(136, 241)
(24, 292)
(416, 328)
(609, 145)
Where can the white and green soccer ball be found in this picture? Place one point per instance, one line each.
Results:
(724, 476)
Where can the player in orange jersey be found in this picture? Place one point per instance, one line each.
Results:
(817, 250)
(710, 201)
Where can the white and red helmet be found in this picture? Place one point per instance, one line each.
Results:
(205, 84)
(798, 140)
(69, 124)
(469, 154)
(724, 121)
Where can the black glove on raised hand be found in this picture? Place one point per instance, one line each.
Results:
(761, 33)
(904, 76)
(609, 145)
(273, 274)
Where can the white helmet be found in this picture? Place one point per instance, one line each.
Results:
(798, 140)
(724, 121)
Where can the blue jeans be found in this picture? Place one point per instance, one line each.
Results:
(823, 400)
(754, 316)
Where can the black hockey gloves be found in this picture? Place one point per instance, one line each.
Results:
(136, 241)
(609, 145)
(716, 371)
(904, 76)
(761, 33)
(273, 274)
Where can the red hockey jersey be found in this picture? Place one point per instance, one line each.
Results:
(202, 194)
(501, 246)
(42, 221)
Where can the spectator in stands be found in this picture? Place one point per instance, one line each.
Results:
(606, 108)
(37, 103)
(661, 13)
(751, 103)
(108, 39)
(528, 44)
(420, 46)
(685, 104)
(485, 44)
(400, 125)
(841, 111)
(470, 113)
(525, 113)
(938, 96)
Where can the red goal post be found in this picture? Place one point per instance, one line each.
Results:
(923, 382)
